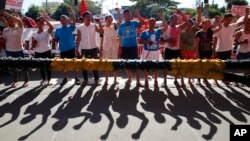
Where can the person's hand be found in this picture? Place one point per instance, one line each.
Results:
(247, 10)
(77, 53)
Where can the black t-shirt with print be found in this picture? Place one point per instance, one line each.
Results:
(206, 40)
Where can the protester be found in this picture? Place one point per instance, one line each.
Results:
(187, 40)
(86, 40)
(41, 42)
(242, 38)
(151, 38)
(172, 36)
(13, 43)
(129, 46)
(64, 35)
(204, 41)
(109, 45)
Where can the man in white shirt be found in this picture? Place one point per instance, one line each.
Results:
(86, 40)
(224, 37)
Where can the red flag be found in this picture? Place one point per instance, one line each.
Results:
(83, 7)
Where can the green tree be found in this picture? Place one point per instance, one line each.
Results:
(235, 2)
(33, 12)
(150, 8)
(61, 10)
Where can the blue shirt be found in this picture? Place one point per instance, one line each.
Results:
(127, 32)
(156, 35)
(65, 37)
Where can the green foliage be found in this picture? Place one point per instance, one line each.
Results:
(61, 10)
(33, 12)
(150, 8)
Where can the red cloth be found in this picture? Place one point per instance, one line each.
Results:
(83, 7)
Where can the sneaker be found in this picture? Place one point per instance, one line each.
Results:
(26, 84)
(65, 80)
(14, 85)
(77, 81)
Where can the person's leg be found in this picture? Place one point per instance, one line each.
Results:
(94, 54)
(115, 77)
(125, 55)
(84, 72)
(156, 77)
(146, 77)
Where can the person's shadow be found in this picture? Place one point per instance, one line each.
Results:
(240, 99)
(43, 108)
(126, 105)
(14, 107)
(182, 106)
(72, 109)
(5, 93)
(221, 103)
(100, 104)
(155, 103)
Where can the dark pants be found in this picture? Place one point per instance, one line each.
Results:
(205, 54)
(172, 54)
(17, 54)
(224, 55)
(46, 54)
(129, 53)
(90, 53)
(68, 54)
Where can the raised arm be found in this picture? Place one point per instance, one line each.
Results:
(16, 19)
(165, 24)
(217, 29)
(138, 15)
(198, 19)
(72, 16)
(246, 15)
(51, 28)
(99, 28)
(184, 18)
(4, 21)
(119, 17)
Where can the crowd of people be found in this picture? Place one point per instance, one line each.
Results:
(190, 39)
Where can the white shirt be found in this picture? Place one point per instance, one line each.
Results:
(88, 36)
(244, 48)
(13, 37)
(110, 38)
(225, 38)
(172, 33)
(43, 41)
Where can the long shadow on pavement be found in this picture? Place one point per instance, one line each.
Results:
(72, 109)
(155, 103)
(44, 109)
(126, 105)
(240, 99)
(100, 104)
(188, 104)
(14, 107)
(223, 104)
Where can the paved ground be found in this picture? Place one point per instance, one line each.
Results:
(121, 112)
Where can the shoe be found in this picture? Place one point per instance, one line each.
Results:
(14, 85)
(77, 81)
(116, 82)
(26, 84)
(138, 84)
(49, 83)
(65, 80)
(43, 82)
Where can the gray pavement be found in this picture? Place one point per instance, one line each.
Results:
(120, 112)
